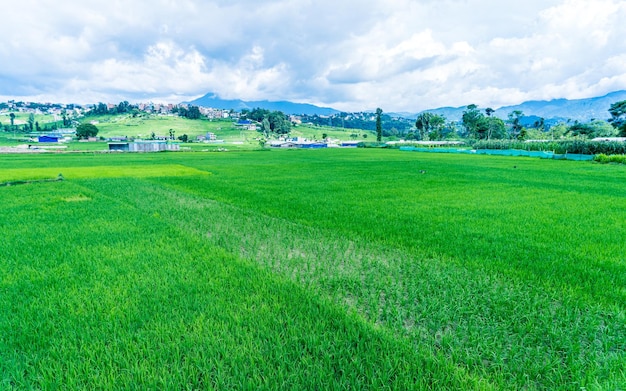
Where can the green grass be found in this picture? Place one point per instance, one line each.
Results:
(160, 125)
(362, 269)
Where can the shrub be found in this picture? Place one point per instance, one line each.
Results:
(605, 159)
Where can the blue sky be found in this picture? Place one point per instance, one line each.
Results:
(399, 55)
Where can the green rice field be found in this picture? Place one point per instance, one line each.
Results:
(311, 269)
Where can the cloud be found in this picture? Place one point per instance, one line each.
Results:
(400, 55)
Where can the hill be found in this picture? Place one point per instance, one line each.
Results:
(213, 101)
(554, 110)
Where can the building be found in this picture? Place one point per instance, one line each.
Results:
(144, 146)
(49, 138)
(246, 124)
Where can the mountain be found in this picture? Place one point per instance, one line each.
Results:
(213, 101)
(577, 109)
(555, 110)
(552, 111)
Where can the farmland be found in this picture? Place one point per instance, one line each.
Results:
(329, 269)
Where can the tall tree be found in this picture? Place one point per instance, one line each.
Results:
(379, 125)
(265, 127)
(473, 121)
(494, 128)
(31, 121)
(279, 123)
(430, 126)
(515, 121)
(618, 117)
(12, 117)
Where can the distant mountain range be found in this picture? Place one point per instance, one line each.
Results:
(213, 101)
(552, 111)
(582, 110)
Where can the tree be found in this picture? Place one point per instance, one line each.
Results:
(580, 130)
(279, 123)
(430, 126)
(192, 113)
(495, 128)
(265, 127)
(86, 130)
(12, 117)
(618, 117)
(515, 120)
(123, 107)
(256, 115)
(379, 125)
(472, 120)
(31, 121)
(184, 138)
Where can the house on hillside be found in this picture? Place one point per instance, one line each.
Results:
(246, 124)
(210, 136)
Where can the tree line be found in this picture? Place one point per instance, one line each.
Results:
(479, 124)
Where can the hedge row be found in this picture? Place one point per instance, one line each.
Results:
(560, 147)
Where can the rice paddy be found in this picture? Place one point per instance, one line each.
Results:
(330, 269)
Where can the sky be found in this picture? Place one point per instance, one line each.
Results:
(399, 55)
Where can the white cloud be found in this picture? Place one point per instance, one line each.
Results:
(401, 55)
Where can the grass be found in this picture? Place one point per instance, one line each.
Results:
(313, 269)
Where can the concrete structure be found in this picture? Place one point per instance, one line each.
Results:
(144, 146)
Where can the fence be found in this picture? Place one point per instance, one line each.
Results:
(503, 152)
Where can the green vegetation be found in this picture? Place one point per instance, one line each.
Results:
(360, 269)
(145, 125)
(563, 146)
(602, 158)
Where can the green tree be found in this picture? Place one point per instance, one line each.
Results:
(279, 123)
(255, 115)
(31, 121)
(12, 118)
(618, 117)
(193, 113)
(379, 125)
(430, 126)
(265, 127)
(495, 128)
(580, 130)
(84, 131)
(603, 128)
(472, 120)
(123, 107)
(515, 121)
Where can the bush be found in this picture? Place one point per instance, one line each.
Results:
(605, 159)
